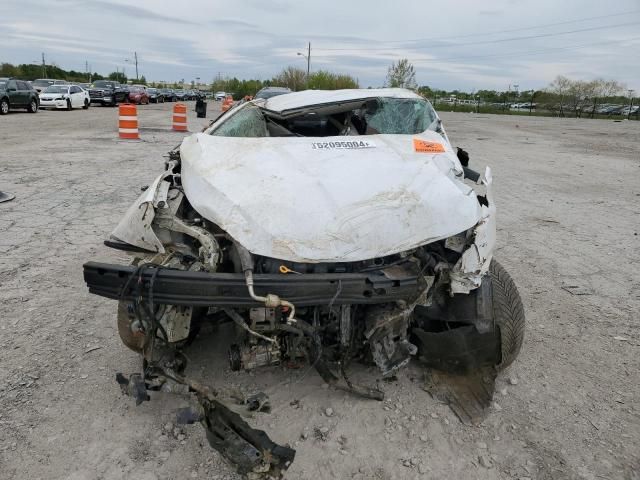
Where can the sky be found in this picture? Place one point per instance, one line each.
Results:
(455, 44)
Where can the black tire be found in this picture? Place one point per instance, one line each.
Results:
(134, 342)
(4, 106)
(69, 107)
(137, 342)
(33, 106)
(508, 314)
(86, 104)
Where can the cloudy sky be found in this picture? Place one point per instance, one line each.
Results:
(463, 44)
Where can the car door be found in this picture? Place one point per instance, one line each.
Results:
(14, 94)
(76, 97)
(25, 92)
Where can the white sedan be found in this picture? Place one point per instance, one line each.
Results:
(65, 96)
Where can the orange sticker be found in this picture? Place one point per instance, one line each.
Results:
(423, 146)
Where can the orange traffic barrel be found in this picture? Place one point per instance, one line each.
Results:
(180, 117)
(128, 121)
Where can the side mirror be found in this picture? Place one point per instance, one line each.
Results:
(11, 89)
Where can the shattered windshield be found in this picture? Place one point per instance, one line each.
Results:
(382, 115)
(247, 122)
(399, 115)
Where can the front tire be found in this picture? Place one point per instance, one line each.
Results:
(508, 314)
(69, 107)
(86, 104)
(33, 106)
(125, 319)
(4, 106)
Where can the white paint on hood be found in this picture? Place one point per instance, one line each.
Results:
(279, 197)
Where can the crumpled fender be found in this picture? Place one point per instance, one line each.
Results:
(135, 228)
(467, 273)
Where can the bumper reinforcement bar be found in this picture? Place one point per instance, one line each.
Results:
(178, 287)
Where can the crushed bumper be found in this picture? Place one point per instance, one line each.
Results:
(177, 287)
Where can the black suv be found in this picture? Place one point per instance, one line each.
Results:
(17, 94)
(108, 92)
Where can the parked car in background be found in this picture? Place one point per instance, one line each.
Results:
(155, 95)
(108, 92)
(17, 94)
(181, 95)
(41, 83)
(219, 96)
(268, 92)
(65, 96)
(629, 110)
(138, 95)
(169, 94)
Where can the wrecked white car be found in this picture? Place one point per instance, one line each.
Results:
(329, 226)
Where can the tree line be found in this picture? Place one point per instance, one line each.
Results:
(290, 77)
(564, 95)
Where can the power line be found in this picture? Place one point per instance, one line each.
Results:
(535, 27)
(500, 40)
(535, 52)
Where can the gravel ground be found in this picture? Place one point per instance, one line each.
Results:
(567, 193)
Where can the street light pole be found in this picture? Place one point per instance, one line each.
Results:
(308, 57)
(630, 104)
(135, 54)
(308, 61)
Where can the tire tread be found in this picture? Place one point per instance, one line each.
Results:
(508, 313)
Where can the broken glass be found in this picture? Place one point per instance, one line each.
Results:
(406, 116)
(247, 122)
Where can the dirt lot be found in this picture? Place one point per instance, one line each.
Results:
(568, 193)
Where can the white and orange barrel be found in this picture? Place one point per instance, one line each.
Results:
(180, 117)
(128, 121)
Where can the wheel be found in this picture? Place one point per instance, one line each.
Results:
(33, 106)
(125, 318)
(136, 342)
(508, 313)
(4, 106)
(69, 107)
(86, 104)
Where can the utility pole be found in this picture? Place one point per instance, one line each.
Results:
(308, 58)
(308, 61)
(135, 54)
(44, 67)
(630, 104)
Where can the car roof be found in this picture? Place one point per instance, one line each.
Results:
(306, 98)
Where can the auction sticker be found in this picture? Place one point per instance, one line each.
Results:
(355, 144)
(424, 146)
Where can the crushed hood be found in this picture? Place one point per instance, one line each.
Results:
(330, 199)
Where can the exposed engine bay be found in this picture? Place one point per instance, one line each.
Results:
(442, 299)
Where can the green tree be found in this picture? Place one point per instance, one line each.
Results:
(118, 77)
(324, 80)
(291, 77)
(401, 75)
